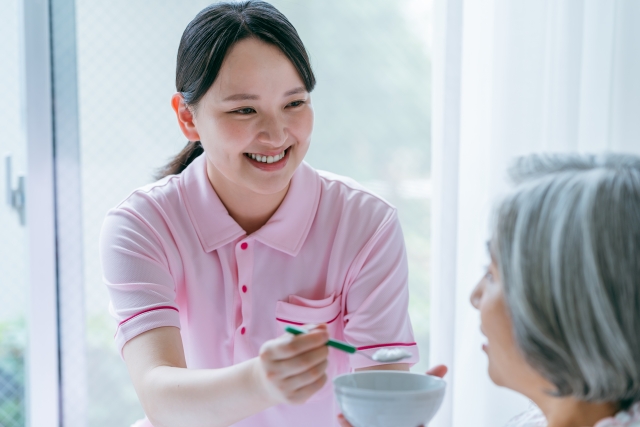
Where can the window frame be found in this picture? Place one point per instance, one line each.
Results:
(42, 367)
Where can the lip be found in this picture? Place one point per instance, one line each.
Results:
(485, 345)
(270, 167)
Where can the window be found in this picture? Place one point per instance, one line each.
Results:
(13, 235)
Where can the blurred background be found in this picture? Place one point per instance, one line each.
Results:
(112, 77)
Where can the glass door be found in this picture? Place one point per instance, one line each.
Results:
(29, 380)
(13, 232)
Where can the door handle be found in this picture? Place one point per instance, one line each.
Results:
(15, 196)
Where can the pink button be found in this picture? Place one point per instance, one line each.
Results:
(243, 330)
(244, 289)
(244, 246)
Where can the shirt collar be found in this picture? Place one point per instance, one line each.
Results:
(285, 231)
(288, 227)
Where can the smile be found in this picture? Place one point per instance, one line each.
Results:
(267, 159)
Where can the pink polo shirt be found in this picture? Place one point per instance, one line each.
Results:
(333, 252)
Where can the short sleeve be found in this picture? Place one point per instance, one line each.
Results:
(137, 274)
(377, 301)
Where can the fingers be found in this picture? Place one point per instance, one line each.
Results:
(294, 367)
(343, 422)
(288, 346)
(301, 395)
(309, 376)
(292, 376)
(438, 371)
(300, 363)
(284, 368)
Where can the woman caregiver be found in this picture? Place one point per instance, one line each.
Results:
(240, 238)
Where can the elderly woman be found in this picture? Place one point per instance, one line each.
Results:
(560, 300)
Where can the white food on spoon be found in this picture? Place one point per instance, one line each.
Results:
(390, 355)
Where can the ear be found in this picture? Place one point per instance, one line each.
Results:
(185, 117)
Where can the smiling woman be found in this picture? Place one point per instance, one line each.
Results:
(240, 238)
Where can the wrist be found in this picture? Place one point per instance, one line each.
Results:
(259, 384)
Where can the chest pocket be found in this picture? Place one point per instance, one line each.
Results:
(302, 311)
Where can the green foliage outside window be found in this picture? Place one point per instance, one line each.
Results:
(12, 378)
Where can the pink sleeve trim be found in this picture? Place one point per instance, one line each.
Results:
(146, 311)
(393, 344)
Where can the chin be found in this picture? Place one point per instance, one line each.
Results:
(495, 375)
(270, 187)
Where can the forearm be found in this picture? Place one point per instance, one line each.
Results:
(177, 397)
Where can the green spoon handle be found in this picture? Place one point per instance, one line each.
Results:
(332, 343)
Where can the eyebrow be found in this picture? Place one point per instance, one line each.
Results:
(295, 91)
(241, 97)
(249, 96)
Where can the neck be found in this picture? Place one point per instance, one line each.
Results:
(570, 412)
(249, 209)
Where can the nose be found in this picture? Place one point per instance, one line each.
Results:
(476, 294)
(272, 131)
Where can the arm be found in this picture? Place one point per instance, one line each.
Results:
(288, 370)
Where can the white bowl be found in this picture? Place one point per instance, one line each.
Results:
(388, 398)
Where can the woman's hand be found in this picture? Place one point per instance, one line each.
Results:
(436, 371)
(292, 368)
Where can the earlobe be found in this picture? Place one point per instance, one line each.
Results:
(185, 117)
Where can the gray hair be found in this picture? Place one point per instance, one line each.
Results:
(567, 245)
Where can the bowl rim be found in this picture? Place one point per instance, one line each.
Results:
(440, 385)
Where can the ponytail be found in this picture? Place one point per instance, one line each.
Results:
(180, 162)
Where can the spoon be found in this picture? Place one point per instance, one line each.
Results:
(385, 355)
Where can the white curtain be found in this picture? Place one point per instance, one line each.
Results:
(512, 77)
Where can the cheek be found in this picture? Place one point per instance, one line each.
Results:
(301, 125)
(502, 350)
(493, 312)
(233, 135)
(221, 134)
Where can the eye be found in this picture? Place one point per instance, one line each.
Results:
(488, 275)
(295, 103)
(244, 111)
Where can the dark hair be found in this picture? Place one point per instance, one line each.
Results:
(205, 43)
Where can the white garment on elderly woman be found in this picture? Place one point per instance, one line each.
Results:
(533, 417)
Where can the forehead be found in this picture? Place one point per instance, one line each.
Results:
(255, 67)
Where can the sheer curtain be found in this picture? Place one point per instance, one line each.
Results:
(510, 78)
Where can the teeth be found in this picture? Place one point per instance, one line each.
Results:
(267, 159)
